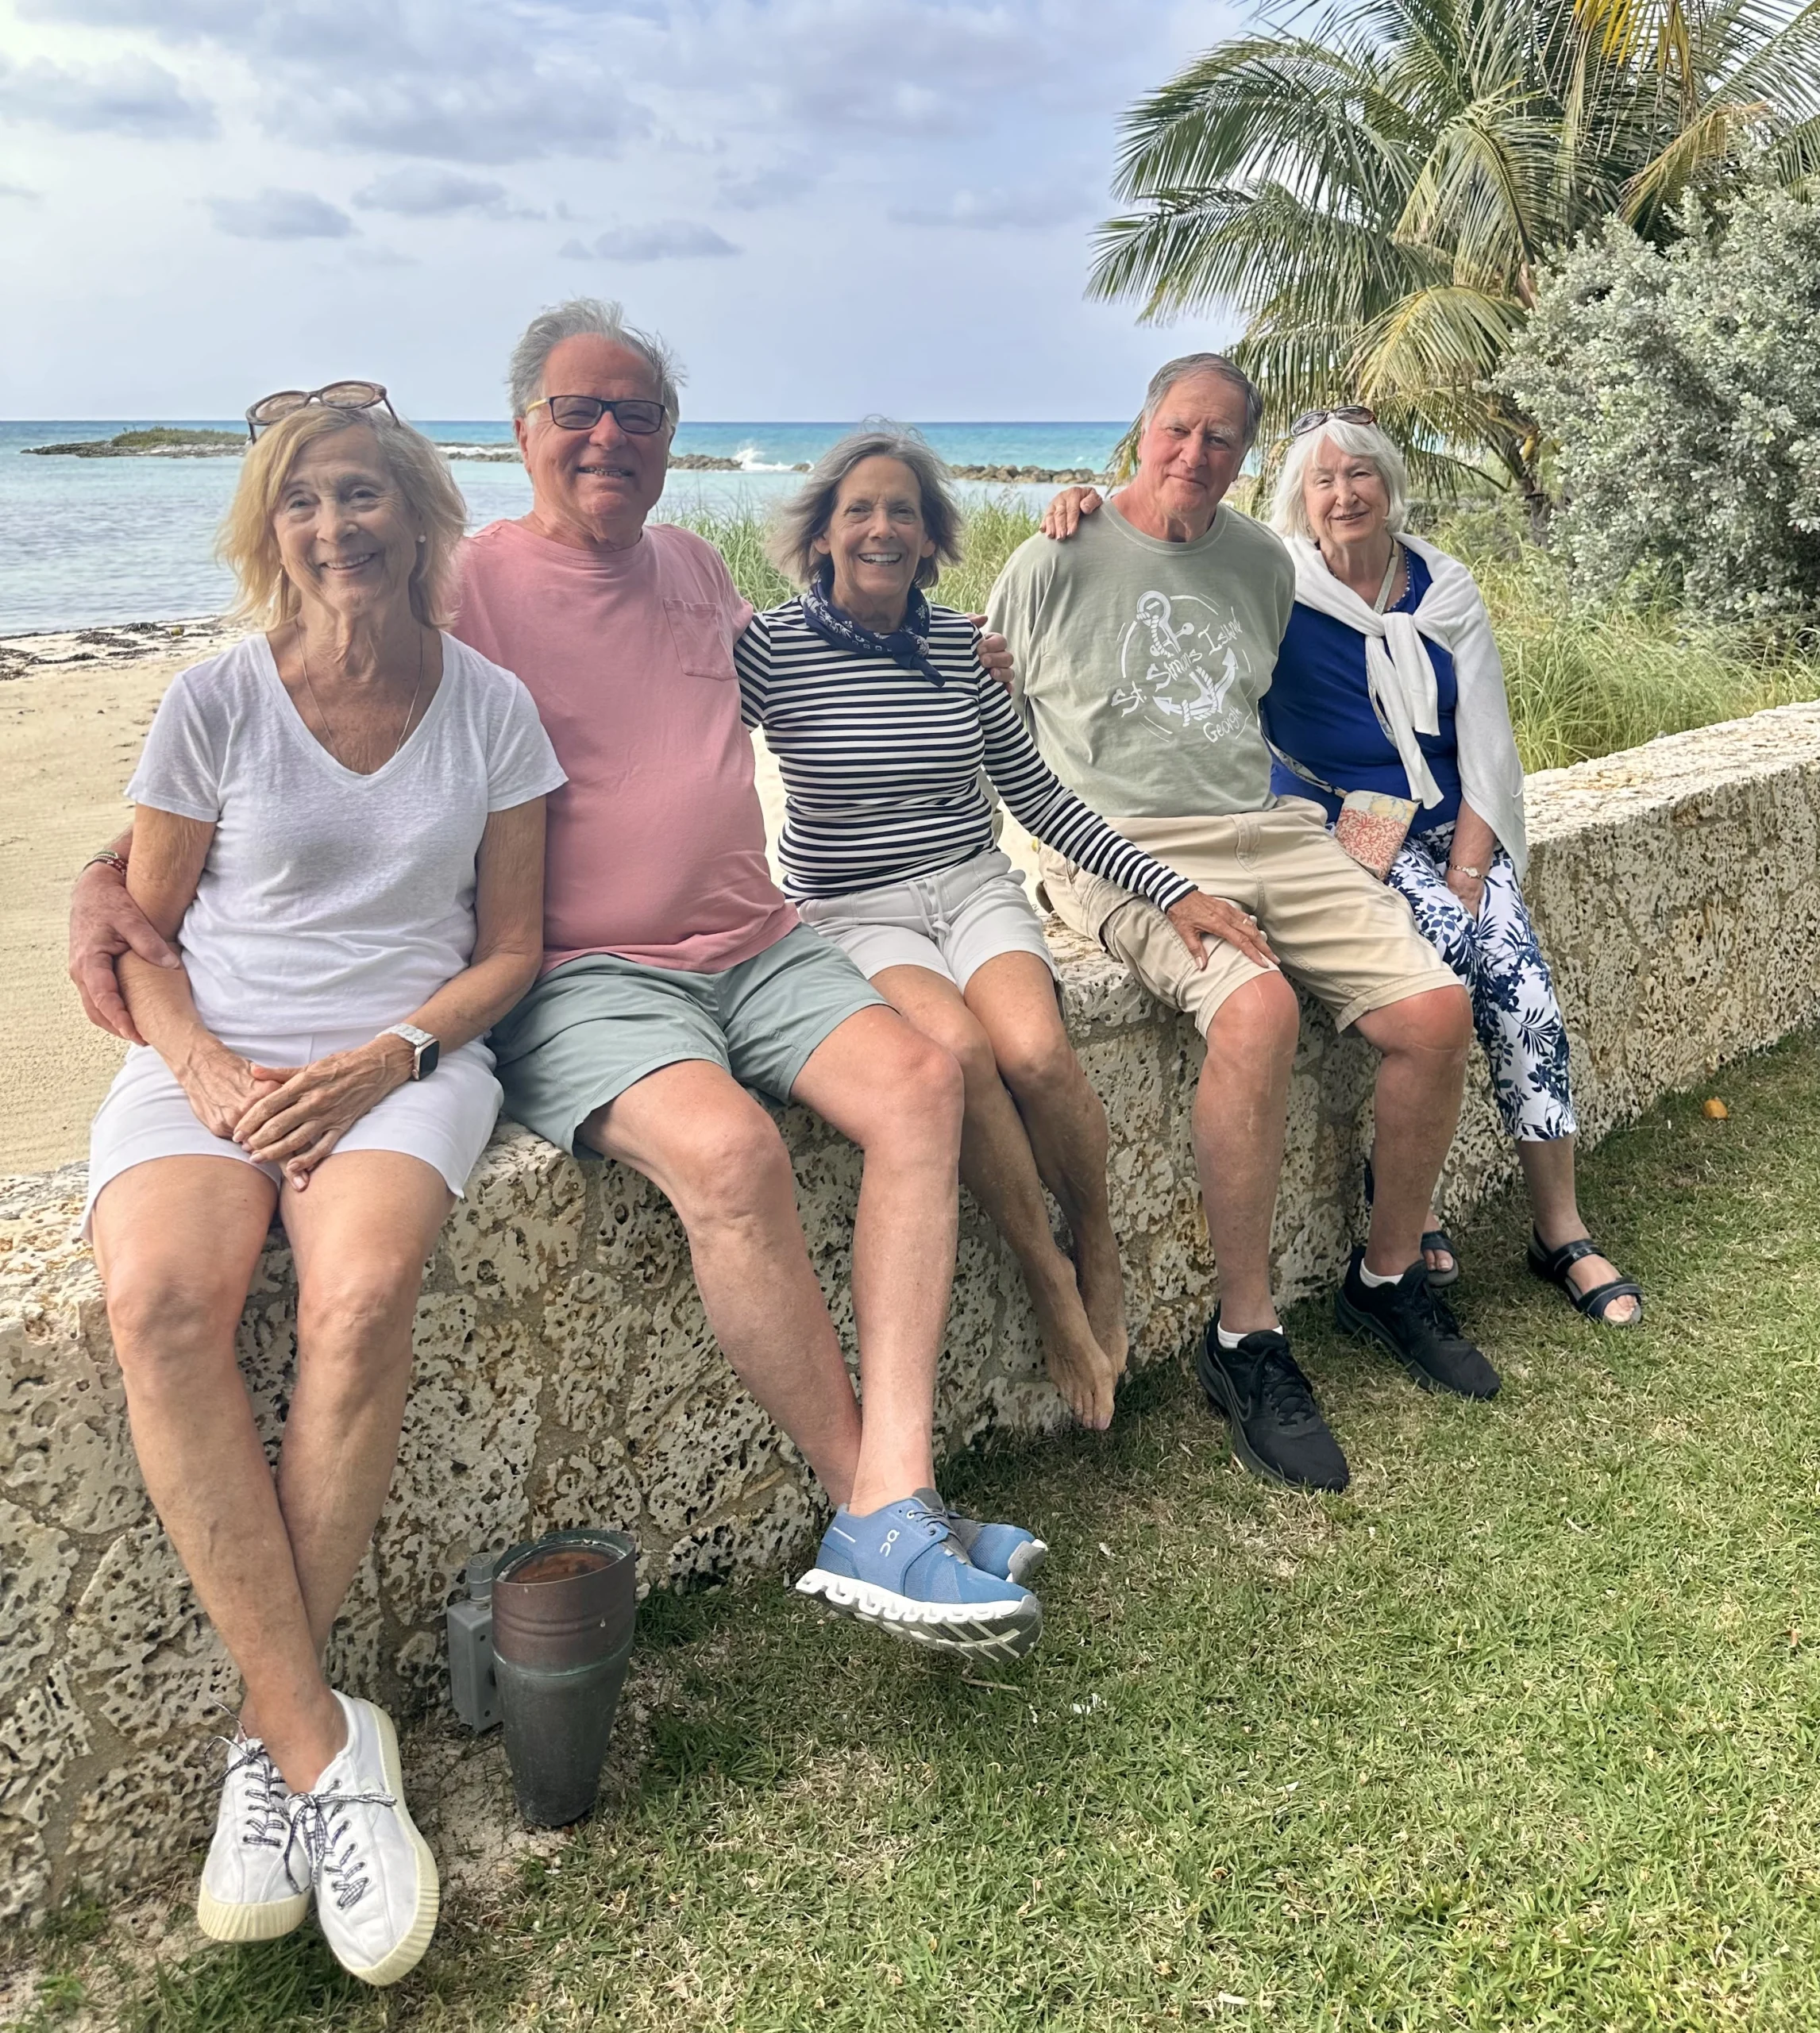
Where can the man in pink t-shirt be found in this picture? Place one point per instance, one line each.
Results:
(677, 978)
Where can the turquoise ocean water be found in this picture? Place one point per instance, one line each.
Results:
(84, 542)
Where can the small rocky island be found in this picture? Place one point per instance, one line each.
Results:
(166, 441)
(160, 441)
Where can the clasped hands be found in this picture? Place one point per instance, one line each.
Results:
(290, 1115)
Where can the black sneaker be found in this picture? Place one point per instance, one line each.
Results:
(1418, 1326)
(1277, 1431)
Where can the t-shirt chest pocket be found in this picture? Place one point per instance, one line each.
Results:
(699, 631)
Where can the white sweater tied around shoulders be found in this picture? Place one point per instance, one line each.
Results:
(1400, 675)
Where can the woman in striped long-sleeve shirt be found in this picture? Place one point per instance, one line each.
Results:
(882, 720)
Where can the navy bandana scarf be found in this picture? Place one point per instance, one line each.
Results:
(907, 646)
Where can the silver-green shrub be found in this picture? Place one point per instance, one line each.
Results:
(1681, 391)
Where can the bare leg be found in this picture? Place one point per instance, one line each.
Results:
(899, 1097)
(716, 1156)
(360, 1235)
(1424, 1040)
(1241, 1112)
(177, 1240)
(1001, 1172)
(1014, 997)
(1548, 1173)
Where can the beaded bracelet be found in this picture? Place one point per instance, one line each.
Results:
(109, 858)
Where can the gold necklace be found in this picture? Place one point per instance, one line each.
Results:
(328, 727)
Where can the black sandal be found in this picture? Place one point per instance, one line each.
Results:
(1435, 1239)
(1554, 1265)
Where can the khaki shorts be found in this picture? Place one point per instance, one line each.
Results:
(1341, 934)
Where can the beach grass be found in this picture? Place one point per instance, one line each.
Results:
(1583, 680)
(1519, 1732)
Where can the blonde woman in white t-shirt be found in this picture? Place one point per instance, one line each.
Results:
(340, 824)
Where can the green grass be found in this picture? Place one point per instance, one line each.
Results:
(1521, 1733)
(1582, 681)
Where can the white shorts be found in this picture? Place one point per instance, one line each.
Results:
(445, 1121)
(952, 922)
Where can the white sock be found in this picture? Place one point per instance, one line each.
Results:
(1229, 1342)
(1370, 1279)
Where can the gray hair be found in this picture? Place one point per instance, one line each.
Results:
(1191, 364)
(791, 541)
(1289, 517)
(587, 317)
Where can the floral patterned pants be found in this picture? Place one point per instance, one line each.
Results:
(1495, 954)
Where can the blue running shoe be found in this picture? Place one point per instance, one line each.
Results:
(1008, 1551)
(902, 1568)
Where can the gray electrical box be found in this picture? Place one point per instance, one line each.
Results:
(473, 1688)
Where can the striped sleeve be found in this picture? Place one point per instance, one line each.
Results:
(752, 659)
(1048, 810)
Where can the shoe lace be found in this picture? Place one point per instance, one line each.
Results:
(319, 1822)
(1283, 1389)
(267, 1824)
(1421, 1300)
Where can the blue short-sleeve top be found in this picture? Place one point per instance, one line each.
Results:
(1318, 710)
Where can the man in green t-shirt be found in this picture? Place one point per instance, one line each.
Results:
(1143, 645)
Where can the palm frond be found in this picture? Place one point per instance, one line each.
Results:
(1375, 189)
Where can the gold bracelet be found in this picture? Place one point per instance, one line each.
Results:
(1466, 868)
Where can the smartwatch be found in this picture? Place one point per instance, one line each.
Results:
(424, 1049)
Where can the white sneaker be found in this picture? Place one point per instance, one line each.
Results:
(376, 1894)
(248, 1893)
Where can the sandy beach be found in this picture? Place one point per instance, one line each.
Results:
(74, 709)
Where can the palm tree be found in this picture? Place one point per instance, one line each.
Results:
(1379, 196)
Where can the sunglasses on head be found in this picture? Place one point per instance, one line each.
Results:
(636, 415)
(1346, 413)
(334, 395)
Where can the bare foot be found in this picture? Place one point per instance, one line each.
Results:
(1078, 1367)
(1101, 1281)
(1437, 1259)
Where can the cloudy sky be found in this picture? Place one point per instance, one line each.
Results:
(832, 206)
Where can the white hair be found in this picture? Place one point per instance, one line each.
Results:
(1289, 515)
(587, 317)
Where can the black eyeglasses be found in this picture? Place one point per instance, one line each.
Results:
(635, 415)
(336, 395)
(1347, 413)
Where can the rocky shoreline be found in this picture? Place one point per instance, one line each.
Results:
(113, 643)
(168, 443)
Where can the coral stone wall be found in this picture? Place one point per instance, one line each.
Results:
(565, 1372)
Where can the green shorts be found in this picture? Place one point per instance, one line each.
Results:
(594, 1027)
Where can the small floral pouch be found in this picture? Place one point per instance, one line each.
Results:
(1372, 827)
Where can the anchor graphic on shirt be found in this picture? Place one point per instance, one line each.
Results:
(1188, 665)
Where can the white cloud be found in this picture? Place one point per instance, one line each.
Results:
(421, 190)
(753, 190)
(281, 215)
(133, 98)
(664, 240)
(481, 81)
(20, 191)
